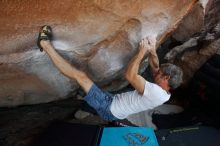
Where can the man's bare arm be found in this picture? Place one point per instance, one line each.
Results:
(152, 55)
(153, 61)
(137, 81)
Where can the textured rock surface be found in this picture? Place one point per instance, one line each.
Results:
(191, 24)
(98, 36)
(20, 125)
(193, 53)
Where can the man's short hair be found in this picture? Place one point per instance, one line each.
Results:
(175, 73)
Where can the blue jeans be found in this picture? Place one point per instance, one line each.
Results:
(101, 102)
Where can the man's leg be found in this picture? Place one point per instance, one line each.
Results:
(68, 70)
(95, 97)
(100, 100)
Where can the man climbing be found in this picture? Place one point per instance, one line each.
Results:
(110, 107)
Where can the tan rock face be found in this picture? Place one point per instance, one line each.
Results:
(98, 36)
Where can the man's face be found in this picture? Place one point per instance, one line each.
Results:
(161, 79)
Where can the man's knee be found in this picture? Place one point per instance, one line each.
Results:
(84, 81)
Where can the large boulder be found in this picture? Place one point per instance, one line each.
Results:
(200, 45)
(193, 22)
(98, 37)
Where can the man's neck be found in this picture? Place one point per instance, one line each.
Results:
(166, 88)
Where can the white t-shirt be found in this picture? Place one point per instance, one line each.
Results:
(132, 102)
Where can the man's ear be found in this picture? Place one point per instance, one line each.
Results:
(167, 77)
